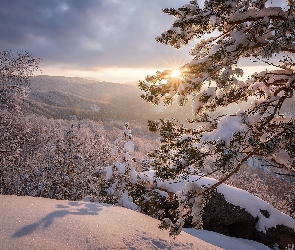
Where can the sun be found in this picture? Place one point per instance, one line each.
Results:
(175, 73)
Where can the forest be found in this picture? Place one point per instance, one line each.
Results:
(64, 143)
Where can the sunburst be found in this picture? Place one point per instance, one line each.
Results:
(175, 73)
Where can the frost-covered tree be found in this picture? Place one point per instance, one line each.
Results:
(15, 73)
(68, 166)
(55, 159)
(14, 81)
(73, 160)
(118, 181)
(227, 32)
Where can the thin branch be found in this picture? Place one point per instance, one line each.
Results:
(291, 175)
(214, 186)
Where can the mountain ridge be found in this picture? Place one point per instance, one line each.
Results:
(68, 97)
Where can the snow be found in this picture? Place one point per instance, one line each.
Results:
(121, 168)
(129, 146)
(39, 223)
(95, 108)
(235, 196)
(251, 13)
(212, 20)
(227, 127)
(109, 172)
(224, 241)
(254, 205)
(197, 104)
(115, 150)
(133, 176)
(127, 201)
(282, 157)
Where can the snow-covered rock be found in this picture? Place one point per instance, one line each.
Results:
(235, 212)
(233, 220)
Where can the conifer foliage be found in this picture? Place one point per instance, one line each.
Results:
(225, 32)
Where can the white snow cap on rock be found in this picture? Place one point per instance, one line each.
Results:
(235, 196)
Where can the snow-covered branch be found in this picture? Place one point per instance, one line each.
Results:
(234, 29)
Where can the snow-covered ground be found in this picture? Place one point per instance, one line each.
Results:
(38, 223)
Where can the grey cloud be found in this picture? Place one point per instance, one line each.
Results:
(88, 33)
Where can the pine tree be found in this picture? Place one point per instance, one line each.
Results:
(119, 179)
(226, 32)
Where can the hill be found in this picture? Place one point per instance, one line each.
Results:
(77, 98)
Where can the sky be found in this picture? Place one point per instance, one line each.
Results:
(108, 40)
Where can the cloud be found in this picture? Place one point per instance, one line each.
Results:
(91, 33)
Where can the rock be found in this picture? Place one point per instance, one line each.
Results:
(225, 218)
(265, 213)
(222, 217)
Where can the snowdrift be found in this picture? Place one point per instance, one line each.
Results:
(39, 223)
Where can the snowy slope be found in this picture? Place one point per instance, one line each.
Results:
(38, 223)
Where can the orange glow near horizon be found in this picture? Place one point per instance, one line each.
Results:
(117, 75)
